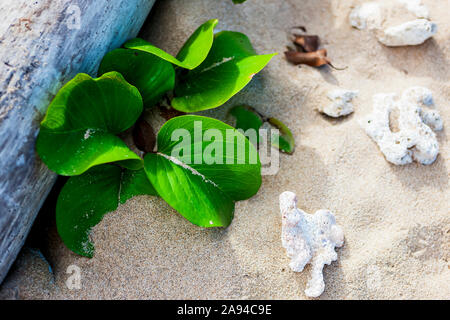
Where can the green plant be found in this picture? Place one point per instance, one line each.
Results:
(248, 118)
(81, 134)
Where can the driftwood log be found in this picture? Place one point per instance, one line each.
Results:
(43, 44)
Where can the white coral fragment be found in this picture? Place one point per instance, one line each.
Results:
(341, 103)
(415, 139)
(368, 15)
(309, 238)
(416, 7)
(409, 33)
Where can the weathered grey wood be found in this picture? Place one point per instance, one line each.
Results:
(43, 44)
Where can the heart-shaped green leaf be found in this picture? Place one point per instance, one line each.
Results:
(86, 198)
(247, 118)
(229, 67)
(203, 166)
(152, 75)
(80, 127)
(286, 141)
(188, 192)
(193, 52)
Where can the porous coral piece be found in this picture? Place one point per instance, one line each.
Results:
(368, 15)
(309, 238)
(415, 139)
(341, 103)
(416, 7)
(409, 33)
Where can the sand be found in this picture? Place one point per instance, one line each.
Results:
(395, 218)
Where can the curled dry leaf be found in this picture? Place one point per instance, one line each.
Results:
(307, 43)
(308, 51)
(143, 136)
(314, 59)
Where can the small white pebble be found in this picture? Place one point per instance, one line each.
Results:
(366, 16)
(341, 103)
(410, 33)
(416, 7)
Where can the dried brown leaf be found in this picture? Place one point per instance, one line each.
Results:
(307, 43)
(314, 59)
(307, 50)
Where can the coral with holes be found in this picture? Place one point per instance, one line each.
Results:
(309, 238)
(415, 139)
(341, 104)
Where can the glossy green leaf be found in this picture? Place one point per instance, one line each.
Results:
(193, 52)
(246, 118)
(238, 1)
(249, 118)
(203, 165)
(242, 179)
(152, 75)
(80, 127)
(229, 67)
(200, 202)
(86, 198)
(135, 183)
(286, 142)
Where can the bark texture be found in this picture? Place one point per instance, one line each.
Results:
(43, 44)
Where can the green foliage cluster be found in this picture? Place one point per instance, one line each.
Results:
(80, 134)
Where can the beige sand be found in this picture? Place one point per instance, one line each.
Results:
(395, 219)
